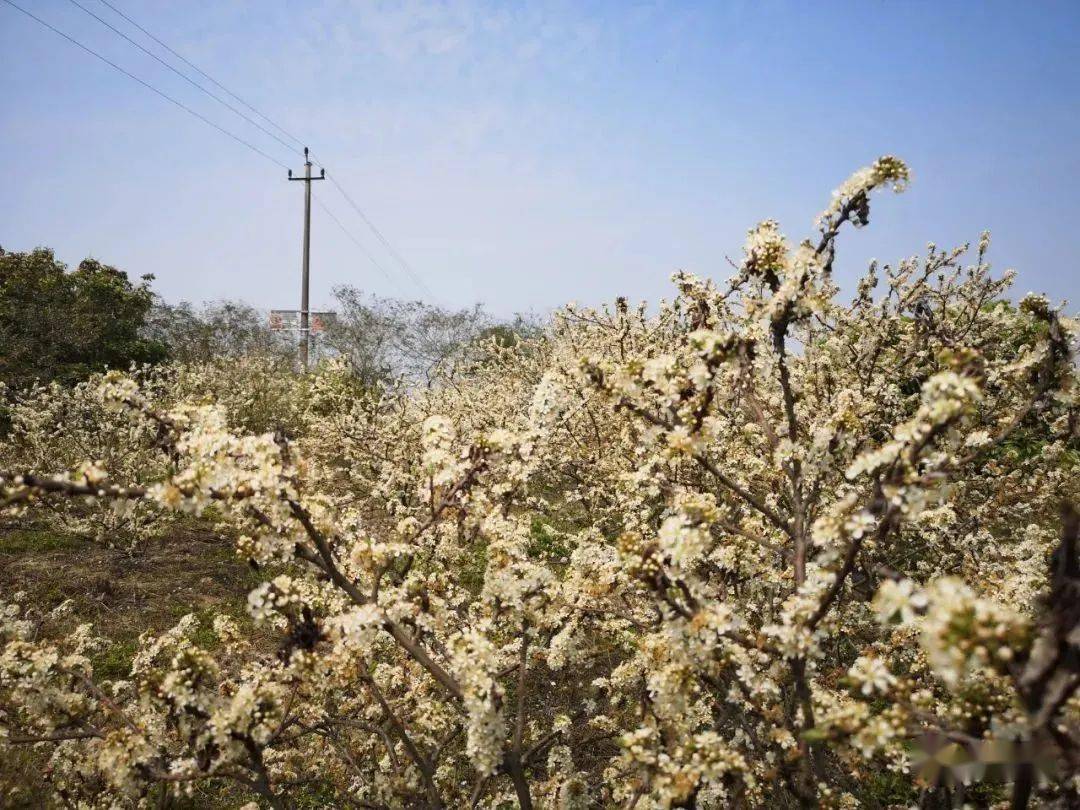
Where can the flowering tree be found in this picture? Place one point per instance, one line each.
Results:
(55, 429)
(760, 548)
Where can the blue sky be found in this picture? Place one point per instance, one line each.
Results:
(525, 155)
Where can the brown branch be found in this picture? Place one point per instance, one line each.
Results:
(59, 736)
(513, 763)
(427, 773)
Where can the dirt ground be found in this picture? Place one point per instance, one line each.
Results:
(190, 569)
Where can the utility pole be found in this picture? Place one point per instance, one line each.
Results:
(305, 331)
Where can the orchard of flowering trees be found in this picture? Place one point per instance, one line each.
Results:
(766, 544)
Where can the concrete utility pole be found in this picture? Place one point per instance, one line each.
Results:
(305, 331)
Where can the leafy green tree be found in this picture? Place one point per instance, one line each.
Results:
(60, 325)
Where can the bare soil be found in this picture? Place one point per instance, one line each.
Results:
(192, 569)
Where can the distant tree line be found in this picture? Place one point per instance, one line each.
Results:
(62, 325)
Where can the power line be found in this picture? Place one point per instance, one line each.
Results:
(184, 76)
(147, 85)
(355, 241)
(205, 75)
(386, 243)
(416, 279)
